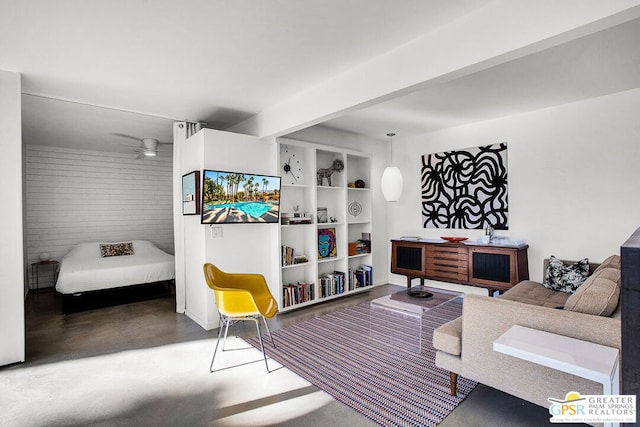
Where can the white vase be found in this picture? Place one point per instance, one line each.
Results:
(44, 256)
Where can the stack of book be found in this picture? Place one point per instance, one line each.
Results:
(285, 218)
(299, 219)
(299, 259)
(287, 255)
(296, 293)
(363, 246)
(361, 277)
(332, 284)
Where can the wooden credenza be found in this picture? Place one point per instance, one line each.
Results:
(488, 266)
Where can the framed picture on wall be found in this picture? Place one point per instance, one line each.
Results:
(191, 193)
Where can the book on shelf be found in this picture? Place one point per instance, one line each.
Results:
(287, 255)
(300, 220)
(359, 247)
(361, 277)
(300, 259)
(285, 218)
(332, 284)
(296, 293)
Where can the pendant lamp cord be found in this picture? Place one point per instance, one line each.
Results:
(391, 135)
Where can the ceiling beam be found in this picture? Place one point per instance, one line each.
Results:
(499, 32)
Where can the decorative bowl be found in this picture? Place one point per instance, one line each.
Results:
(454, 239)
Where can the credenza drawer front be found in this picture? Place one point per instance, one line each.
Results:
(439, 271)
(447, 262)
(443, 275)
(448, 265)
(446, 251)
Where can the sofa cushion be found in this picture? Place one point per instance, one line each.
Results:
(533, 293)
(598, 295)
(612, 261)
(448, 337)
(565, 278)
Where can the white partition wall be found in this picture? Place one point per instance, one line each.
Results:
(241, 248)
(12, 290)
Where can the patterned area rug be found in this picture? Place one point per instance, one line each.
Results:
(356, 355)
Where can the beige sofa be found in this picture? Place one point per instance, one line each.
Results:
(464, 346)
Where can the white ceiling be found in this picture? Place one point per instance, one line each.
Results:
(594, 65)
(93, 69)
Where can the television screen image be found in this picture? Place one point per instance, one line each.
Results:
(240, 198)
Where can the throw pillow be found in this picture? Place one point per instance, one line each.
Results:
(116, 249)
(598, 295)
(612, 261)
(565, 278)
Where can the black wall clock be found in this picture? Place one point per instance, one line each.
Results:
(291, 166)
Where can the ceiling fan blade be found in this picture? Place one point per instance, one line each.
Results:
(141, 156)
(122, 135)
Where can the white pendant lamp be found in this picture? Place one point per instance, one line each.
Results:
(391, 177)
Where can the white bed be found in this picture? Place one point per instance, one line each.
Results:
(83, 269)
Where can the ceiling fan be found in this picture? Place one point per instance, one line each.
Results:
(145, 147)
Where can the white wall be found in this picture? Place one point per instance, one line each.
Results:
(243, 248)
(12, 344)
(199, 302)
(574, 180)
(78, 196)
(378, 148)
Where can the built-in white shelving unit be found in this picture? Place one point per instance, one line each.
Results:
(324, 239)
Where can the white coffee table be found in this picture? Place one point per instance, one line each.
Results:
(581, 358)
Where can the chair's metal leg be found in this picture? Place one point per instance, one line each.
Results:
(268, 331)
(261, 344)
(220, 326)
(226, 331)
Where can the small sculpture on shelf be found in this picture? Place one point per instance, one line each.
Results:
(355, 208)
(337, 166)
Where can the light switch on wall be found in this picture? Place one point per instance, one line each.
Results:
(216, 232)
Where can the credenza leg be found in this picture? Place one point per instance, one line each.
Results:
(409, 279)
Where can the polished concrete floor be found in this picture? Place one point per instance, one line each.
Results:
(106, 354)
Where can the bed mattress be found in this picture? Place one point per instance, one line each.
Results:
(83, 269)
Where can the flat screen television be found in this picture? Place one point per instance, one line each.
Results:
(240, 198)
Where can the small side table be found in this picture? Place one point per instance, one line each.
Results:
(35, 270)
(584, 359)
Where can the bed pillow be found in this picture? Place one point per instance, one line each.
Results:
(116, 249)
(565, 278)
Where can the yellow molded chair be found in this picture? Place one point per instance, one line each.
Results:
(240, 297)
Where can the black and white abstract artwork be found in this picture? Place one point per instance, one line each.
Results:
(466, 189)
